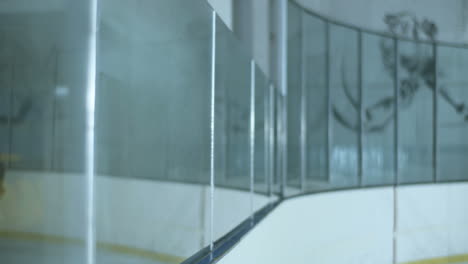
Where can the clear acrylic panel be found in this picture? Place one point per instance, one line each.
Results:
(378, 84)
(452, 112)
(314, 87)
(153, 129)
(294, 161)
(43, 88)
(344, 82)
(232, 131)
(261, 140)
(415, 137)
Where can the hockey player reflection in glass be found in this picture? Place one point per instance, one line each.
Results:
(417, 65)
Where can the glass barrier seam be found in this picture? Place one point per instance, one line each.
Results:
(90, 133)
(435, 121)
(303, 106)
(329, 102)
(396, 109)
(360, 109)
(252, 136)
(271, 143)
(283, 55)
(212, 127)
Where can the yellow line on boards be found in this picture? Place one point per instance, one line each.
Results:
(441, 260)
(9, 157)
(39, 237)
(142, 253)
